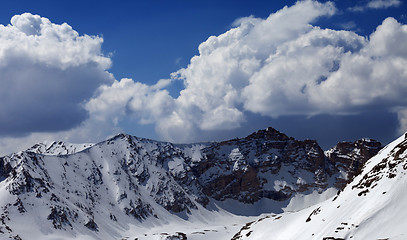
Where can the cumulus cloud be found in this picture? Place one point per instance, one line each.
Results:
(215, 79)
(283, 66)
(374, 76)
(149, 103)
(274, 67)
(47, 71)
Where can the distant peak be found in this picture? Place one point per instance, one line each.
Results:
(119, 135)
(365, 142)
(269, 133)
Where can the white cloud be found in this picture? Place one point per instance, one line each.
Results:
(215, 79)
(374, 76)
(149, 103)
(46, 72)
(402, 117)
(376, 4)
(284, 85)
(284, 66)
(348, 25)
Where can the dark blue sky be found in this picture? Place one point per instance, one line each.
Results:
(148, 40)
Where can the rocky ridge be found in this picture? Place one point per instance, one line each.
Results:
(269, 164)
(350, 157)
(58, 148)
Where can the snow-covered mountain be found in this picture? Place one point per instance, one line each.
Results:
(372, 206)
(144, 189)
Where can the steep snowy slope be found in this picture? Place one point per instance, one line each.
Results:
(133, 187)
(372, 206)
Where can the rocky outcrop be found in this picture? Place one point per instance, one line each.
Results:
(252, 168)
(350, 157)
(389, 167)
(269, 164)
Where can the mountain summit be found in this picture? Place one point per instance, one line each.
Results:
(133, 187)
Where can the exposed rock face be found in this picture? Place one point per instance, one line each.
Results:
(249, 169)
(390, 167)
(129, 177)
(269, 164)
(350, 157)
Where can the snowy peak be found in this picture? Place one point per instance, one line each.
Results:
(268, 134)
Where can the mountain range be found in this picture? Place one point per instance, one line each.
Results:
(266, 185)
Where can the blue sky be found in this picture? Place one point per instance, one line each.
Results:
(76, 92)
